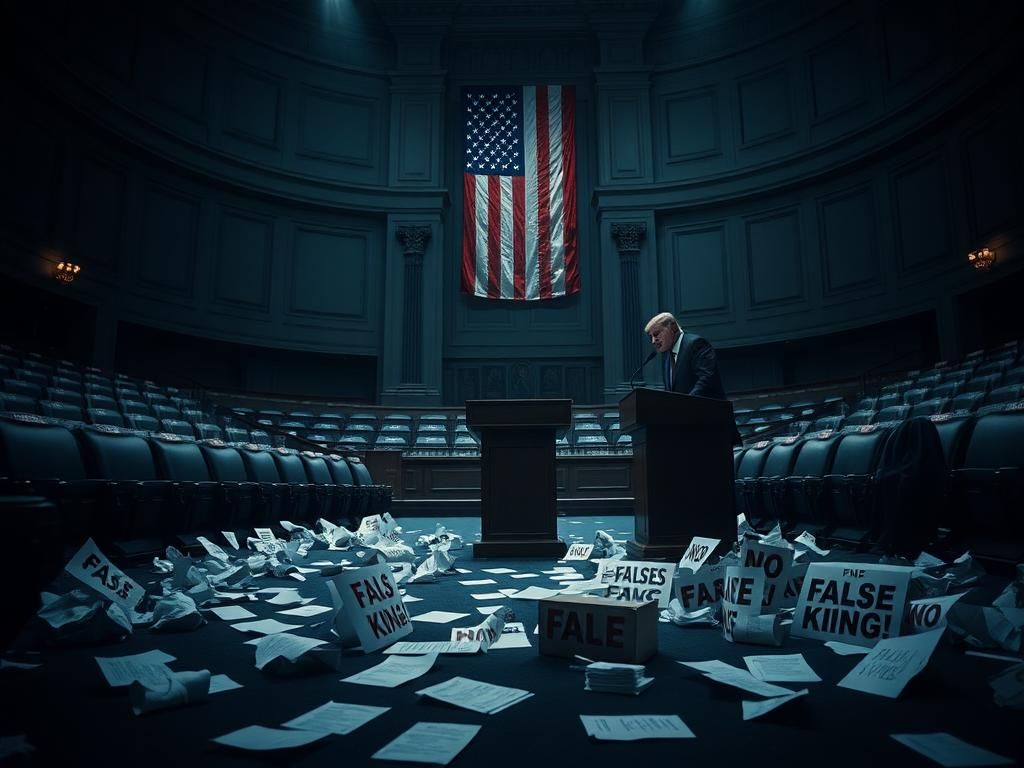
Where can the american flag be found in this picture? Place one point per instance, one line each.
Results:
(519, 192)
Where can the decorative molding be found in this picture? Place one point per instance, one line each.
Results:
(414, 240)
(627, 236)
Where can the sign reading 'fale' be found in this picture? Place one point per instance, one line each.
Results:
(600, 628)
(369, 608)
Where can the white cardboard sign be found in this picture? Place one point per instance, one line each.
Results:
(743, 596)
(781, 584)
(92, 568)
(637, 581)
(579, 552)
(700, 550)
(858, 603)
(701, 589)
(370, 607)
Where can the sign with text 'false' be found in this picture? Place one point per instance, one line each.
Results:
(370, 607)
(857, 603)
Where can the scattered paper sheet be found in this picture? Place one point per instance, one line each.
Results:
(891, 664)
(475, 695)
(411, 599)
(283, 644)
(232, 613)
(440, 617)
(782, 668)
(846, 649)
(946, 749)
(394, 671)
(525, 576)
(635, 727)
(488, 596)
(436, 743)
(142, 667)
(412, 648)
(513, 635)
(256, 737)
(231, 538)
(727, 674)
(221, 683)
(498, 570)
(534, 593)
(305, 610)
(754, 709)
(487, 610)
(264, 626)
(336, 717)
(288, 597)
(5, 664)
(477, 582)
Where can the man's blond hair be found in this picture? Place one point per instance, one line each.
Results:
(661, 320)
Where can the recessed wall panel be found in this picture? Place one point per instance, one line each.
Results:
(923, 232)
(692, 125)
(774, 260)
(99, 217)
(329, 273)
(700, 267)
(243, 262)
(849, 240)
(170, 226)
(337, 127)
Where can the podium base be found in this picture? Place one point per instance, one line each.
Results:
(555, 548)
(637, 551)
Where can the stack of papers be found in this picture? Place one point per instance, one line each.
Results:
(605, 677)
(475, 695)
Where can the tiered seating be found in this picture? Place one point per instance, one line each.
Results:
(138, 493)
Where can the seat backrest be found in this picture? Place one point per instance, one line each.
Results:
(1014, 375)
(104, 416)
(1010, 393)
(69, 396)
(177, 427)
(954, 432)
(142, 422)
(359, 471)
(340, 470)
(967, 401)
(236, 434)
(114, 455)
(316, 469)
(101, 401)
(26, 388)
(859, 418)
(815, 456)
(59, 410)
(224, 463)
(180, 460)
(781, 458)
(997, 441)
(983, 383)
(289, 466)
(753, 460)
(858, 452)
(892, 413)
(135, 406)
(15, 403)
(915, 396)
(35, 450)
(260, 465)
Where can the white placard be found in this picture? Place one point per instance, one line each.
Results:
(579, 552)
(930, 612)
(701, 589)
(637, 581)
(697, 553)
(92, 568)
(891, 664)
(372, 606)
(777, 563)
(858, 603)
(744, 593)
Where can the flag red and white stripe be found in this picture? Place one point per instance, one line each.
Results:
(519, 218)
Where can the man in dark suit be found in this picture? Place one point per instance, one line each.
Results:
(687, 360)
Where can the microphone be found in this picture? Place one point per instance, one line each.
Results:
(650, 357)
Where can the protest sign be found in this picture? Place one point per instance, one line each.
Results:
(929, 613)
(743, 595)
(371, 607)
(780, 591)
(701, 589)
(637, 581)
(579, 552)
(697, 553)
(857, 603)
(92, 568)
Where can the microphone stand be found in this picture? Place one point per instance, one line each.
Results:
(650, 357)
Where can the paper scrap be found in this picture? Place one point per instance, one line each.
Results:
(305, 610)
(781, 668)
(891, 664)
(232, 613)
(221, 683)
(336, 717)
(150, 666)
(946, 749)
(635, 727)
(264, 626)
(394, 671)
(754, 709)
(256, 737)
(426, 742)
(475, 695)
(439, 617)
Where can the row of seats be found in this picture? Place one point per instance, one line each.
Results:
(828, 483)
(138, 494)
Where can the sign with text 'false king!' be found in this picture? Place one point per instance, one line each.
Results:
(857, 603)
(369, 608)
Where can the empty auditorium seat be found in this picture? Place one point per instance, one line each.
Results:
(1009, 393)
(892, 413)
(59, 410)
(983, 383)
(16, 403)
(241, 499)
(379, 495)
(196, 496)
(208, 431)
(803, 505)
(105, 416)
(236, 435)
(142, 523)
(144, 423)
(929, 407)
(330, 500)
(967, 401)
(850, 512)
(274, 496)
(860, 418)
(177, 427)
(767, 502)
(948, 389)
(24, 388)
(988, 489)
(916, 395)
(747, 475)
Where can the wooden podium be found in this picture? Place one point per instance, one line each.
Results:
(517, 475)
(682, 471)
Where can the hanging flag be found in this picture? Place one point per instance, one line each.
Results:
(519, 192)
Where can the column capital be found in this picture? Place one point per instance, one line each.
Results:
(414, 240)
(627, 237)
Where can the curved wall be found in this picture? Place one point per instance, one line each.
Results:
(250, 171)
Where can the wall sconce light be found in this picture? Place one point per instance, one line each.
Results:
(66, 272)
(982, 259)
